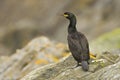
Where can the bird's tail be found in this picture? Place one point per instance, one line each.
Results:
(85, 65)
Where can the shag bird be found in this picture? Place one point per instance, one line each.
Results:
(77, 43)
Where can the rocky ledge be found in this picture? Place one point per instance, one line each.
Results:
(43, 59)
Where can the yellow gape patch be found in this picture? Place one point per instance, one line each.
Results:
(65, 15)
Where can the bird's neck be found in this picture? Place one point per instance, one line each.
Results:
(72, 26)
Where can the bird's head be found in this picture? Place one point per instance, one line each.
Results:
(69, 15)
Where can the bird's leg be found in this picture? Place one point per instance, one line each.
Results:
(88, 62)
(77, 64)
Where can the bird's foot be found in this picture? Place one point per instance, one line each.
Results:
(92, 56)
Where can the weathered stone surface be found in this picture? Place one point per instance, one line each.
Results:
(38, 52)
(64, 70)
(41, 51)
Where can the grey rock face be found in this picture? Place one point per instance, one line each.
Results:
(64, 70)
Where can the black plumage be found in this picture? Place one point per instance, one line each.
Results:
(77, 43)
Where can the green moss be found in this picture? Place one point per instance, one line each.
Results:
(108, 41)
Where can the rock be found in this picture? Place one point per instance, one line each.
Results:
(111, 72)
(98, 68)
(30, 60)
(38, 52)
(64, 70)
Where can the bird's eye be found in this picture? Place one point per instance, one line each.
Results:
(65, 15)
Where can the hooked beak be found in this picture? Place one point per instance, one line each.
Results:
(65, 15)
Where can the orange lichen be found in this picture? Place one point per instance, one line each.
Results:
(55, 59)
(60, 45)
(65, 54)
(52, 57)
(41, 61)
